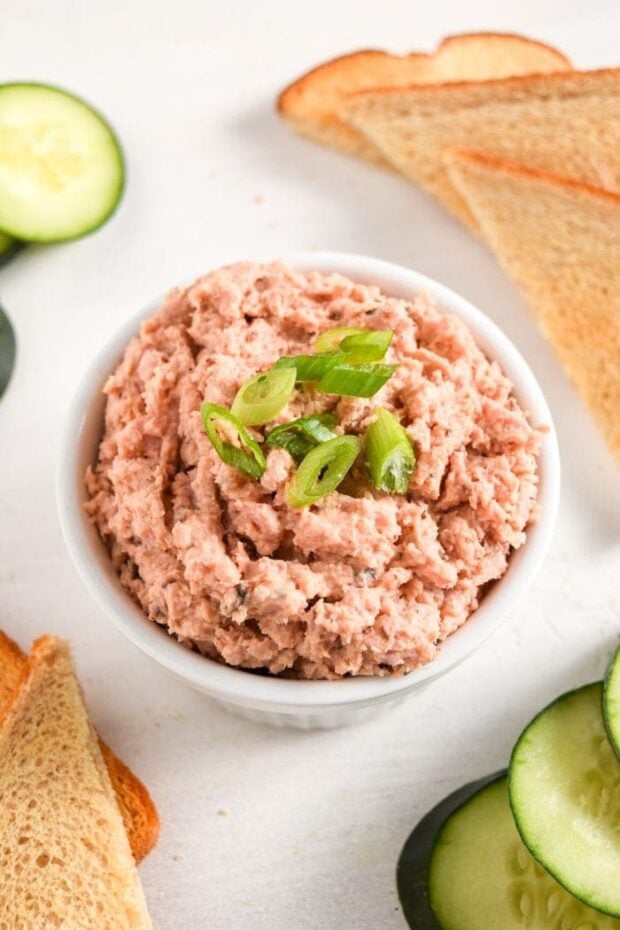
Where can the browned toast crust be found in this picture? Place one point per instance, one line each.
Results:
(515, 36)
(295, 89)
(314, 104)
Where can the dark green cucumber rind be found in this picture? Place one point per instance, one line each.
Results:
(10, 250)
(6, 243)
(8, 351)
(116, 145)
(532, 849)
(612, 725)
(413, 869)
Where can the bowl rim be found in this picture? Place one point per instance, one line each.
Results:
(241, 686)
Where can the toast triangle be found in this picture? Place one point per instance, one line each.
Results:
(566, 123)
(311, 103)
(64, 855)
(139, 812)
(559, 240)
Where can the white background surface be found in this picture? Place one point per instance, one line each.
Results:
(266, 829)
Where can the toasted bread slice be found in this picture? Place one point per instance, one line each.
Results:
(311, 103)
(559, 240)
(139, 812)
(13, 669)
(64, 854)
(566, 123)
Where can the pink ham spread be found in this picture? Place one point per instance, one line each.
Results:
(361, 583)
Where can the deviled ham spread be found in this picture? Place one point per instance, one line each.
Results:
(365, 580)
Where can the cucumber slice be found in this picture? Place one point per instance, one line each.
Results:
(611, 702)
(412, 870)
(483, 878)
(61, 166)
(565, 796)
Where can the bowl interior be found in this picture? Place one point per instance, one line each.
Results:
(79, 449)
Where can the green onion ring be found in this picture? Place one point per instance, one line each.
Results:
(355, 380)
(369, 346)
(309, 367)
(390, 458)
(264, 396)
(243, 453)
(301, 436)
(322, 471)
(330, 339)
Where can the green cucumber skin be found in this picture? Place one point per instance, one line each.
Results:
(515, 892)
(6, 243)
(611, 717)
(412, 871)
(9, 249)
(8, 351)
(534, 852)
(118, 193)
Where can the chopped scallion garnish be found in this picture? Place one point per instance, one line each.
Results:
(359, 345)
(322, 471)
(308, 367)
(300, 436)
(355, 380)
(330, 339)
(389, 454)
(231, 440)
(369, 346)
(262, 398)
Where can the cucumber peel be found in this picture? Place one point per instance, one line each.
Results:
(6, 243)
(8, 247)
(61, 166)
(483, 878)
(611, 702)
(564, 781)
(412, 871)
(8, 350)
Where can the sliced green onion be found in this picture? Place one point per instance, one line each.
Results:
(330, 340)
(300, 436)
(309, 367)
(285, 361)
(368, 346)
(322, 470)
(262, 398)
(389, 454)
(231, 440)
(355, 380)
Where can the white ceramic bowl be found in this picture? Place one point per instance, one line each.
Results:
(275, 700)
